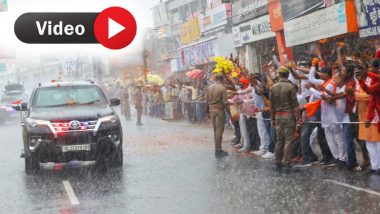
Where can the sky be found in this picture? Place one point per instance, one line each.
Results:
(141, 9)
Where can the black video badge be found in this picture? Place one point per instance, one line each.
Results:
(114, 28)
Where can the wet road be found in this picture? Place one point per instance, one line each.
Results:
(169, 167)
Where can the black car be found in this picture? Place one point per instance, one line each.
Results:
(7, 100)
(14, 93)
(70, 122)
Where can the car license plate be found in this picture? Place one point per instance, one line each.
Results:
(71, 148)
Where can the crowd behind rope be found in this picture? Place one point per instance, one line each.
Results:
(182, 100)
(338, 102)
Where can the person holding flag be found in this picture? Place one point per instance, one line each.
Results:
(329, 114)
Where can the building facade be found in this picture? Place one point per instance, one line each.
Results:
(260, 31)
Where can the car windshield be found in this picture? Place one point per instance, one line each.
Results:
(67, 95)
(12, 97)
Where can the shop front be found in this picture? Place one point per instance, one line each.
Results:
(257, 40)
(252, 35)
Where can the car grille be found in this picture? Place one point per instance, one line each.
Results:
(61, 127)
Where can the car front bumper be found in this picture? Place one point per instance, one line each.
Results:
(51, 150)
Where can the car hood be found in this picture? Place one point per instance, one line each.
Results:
(88, 112)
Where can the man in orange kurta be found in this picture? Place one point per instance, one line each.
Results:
(374, 101)
(368, 103)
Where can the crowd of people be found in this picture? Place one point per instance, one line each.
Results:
(284, 112)
(177, 101)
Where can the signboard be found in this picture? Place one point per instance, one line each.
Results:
(190, 31)
(295, 8)
(256, 30)
(214, 18)
(252, 9)
(236, 36)
(245, 10)
(3, 5)
(198, 54)
(321, 24)
(275, 13)
(368, 15)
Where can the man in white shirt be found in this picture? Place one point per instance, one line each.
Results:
(308, 156)
(329, 114)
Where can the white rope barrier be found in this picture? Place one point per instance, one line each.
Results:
(194, 101)
(318, 122)
(307, 122)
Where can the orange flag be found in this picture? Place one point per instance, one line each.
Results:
(312, 107)
(17, 102)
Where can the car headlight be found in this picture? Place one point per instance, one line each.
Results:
(34, 123)
(108, 119)
(104, 120)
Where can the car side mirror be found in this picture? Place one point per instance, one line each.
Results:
(21, 107)
(114, 102)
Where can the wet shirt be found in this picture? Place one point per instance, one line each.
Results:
(216, 96)
(341, 106)
(283, 97)
(329, 114)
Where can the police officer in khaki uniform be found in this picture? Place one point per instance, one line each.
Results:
(285, 112)
(138, 101)
(216, 98)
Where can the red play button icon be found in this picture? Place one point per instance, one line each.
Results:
(115, 28)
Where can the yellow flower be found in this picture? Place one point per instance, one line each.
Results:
(217, 70)
(223, 65)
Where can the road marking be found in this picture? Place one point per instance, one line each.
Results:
(354, 187)
(70, 193)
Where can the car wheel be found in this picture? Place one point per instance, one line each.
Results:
(32, 165)
(117, 160)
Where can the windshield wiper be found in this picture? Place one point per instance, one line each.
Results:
(59, 105)
(92, 102)
(71, 104)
